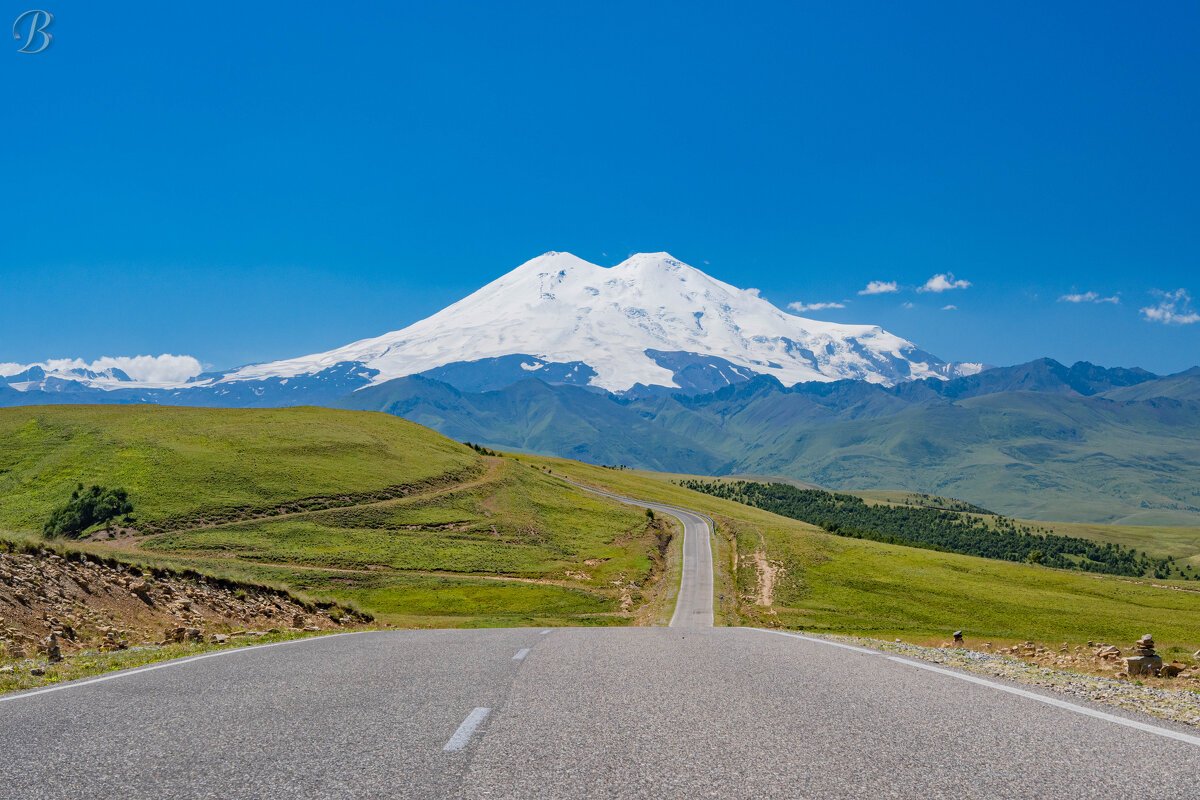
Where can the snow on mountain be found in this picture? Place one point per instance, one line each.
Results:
(107, 372)
(644, 321)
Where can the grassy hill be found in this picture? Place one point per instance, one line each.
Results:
(778, 571)
(422, 531)
(189, 462)
(1038, 440)
(361, 507)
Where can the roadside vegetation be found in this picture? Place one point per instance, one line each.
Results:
(938, 528)
(778, 571)
(358, 507)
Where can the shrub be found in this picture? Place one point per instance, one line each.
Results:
(87, 507)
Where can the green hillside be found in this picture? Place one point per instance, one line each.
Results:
(179, 462)
(356, 506)
(1020, 441)
(1023, 454)
(825, 583)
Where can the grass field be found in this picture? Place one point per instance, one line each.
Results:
(192, 461)
(415, 528)
(469, 540)
(832, 584)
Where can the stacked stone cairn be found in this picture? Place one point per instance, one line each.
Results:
(1144, 661)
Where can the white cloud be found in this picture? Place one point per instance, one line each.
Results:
(880, 287)
(909, 305)
(1174, 308)
(950, 308)
(163, 369)
(1089, 297)
(755, 292)
(942, 282)
(798, 306)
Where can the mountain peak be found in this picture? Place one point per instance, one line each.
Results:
(651, 319)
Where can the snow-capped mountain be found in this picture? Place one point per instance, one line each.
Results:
(650, 320)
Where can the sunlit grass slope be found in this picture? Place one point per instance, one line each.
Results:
(357, 506)
(836, 585)
(181, 462)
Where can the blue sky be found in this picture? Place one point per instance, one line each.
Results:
(251, 181)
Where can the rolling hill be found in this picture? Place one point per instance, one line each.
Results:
(361, 507)
(421, 531)
(1040, 440)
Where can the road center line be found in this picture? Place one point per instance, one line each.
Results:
(520, 656)
(112, 676)
(462, 736)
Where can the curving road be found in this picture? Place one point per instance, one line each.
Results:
(689, 711)
(694, 606)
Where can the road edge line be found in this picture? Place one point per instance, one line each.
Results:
(175, 662)
(969, 678)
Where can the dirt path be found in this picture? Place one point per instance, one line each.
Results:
(128, 538)
(768, 573)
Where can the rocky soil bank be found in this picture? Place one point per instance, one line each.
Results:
(53, 605)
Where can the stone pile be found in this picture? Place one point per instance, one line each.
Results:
(1100, 658)
(1144, 661)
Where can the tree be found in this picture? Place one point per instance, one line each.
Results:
(86, 508)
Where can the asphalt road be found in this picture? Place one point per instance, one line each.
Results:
(694, 606)
(689, 711)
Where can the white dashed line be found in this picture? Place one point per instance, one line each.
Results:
(543, 633)
(462, 736)
(520, 656)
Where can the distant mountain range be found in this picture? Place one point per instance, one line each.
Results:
(650, 321)
(654, 364)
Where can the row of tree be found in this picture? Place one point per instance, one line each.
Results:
(936, 529)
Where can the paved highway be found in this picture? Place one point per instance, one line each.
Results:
(694, 606)
(687, 711)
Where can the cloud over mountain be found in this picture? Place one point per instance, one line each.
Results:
(1173, 308)
(150, 370)
(880, 287)
(1089, 297)
(943, 282)
(799, 306)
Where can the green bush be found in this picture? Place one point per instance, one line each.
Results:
(87, 507)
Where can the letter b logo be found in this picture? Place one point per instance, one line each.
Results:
(30, 28)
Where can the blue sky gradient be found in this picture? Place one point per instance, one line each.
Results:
(243, 182)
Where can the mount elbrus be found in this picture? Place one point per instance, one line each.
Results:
(652, 363)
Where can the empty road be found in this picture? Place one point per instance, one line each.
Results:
(694, 606)
(685, 711)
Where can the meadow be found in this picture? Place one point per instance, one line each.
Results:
(829, 584)
(361, 507)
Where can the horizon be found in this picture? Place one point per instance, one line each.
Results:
(994, 185)
(171, 362)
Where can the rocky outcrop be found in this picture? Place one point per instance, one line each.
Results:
(53, 604)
